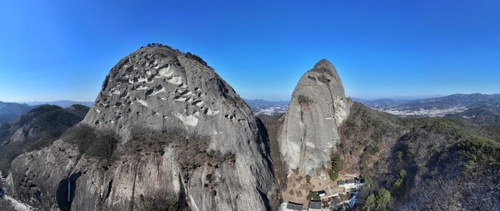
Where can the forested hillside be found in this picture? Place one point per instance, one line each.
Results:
(422, 163)
(36, 129)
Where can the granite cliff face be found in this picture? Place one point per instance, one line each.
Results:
(310, 129)
(182, 134)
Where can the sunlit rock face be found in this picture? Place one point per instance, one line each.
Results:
(160, 89)
(310, 130)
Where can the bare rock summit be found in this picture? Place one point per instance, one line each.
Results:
(310, 130)
(199, 146)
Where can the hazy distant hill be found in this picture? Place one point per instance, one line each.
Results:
(480, 115)
(383, 102)
(260, 106)
(437, 106)
(61, 103)
(10, 111)
(466, 100)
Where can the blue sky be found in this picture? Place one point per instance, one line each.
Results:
(52, 50)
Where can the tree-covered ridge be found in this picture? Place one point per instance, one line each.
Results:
(468, 100)
(36, 129)
(10, 111)
(422, 160)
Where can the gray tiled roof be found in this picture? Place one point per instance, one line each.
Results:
(293, 206)
(315, 204)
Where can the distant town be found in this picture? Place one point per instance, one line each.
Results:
(422, 112)
(272, 110)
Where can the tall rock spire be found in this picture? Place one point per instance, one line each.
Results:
(310, 130)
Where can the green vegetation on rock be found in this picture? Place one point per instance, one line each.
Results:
(333, 174)
(383, 197)
(313, 196)
(369, 203)
(399, 181)
(92, 142)
(308, 178)
(304, 100)
(159, 203)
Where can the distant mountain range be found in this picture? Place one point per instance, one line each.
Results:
(382, 102)
(438, 106)
(434, 106)
(61, 103)
(456, 100)
(10, 111)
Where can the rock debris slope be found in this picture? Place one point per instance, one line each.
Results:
(310, 129)
(214, 157)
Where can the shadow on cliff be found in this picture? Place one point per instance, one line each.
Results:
(66, 191)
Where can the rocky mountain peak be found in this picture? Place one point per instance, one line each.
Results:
(310, 130)
(160, 87)
(198, 144)
(324, 66)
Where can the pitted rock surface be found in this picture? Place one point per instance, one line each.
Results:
(160, 88)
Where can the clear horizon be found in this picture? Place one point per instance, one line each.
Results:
(270, 100)
(55, 50)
